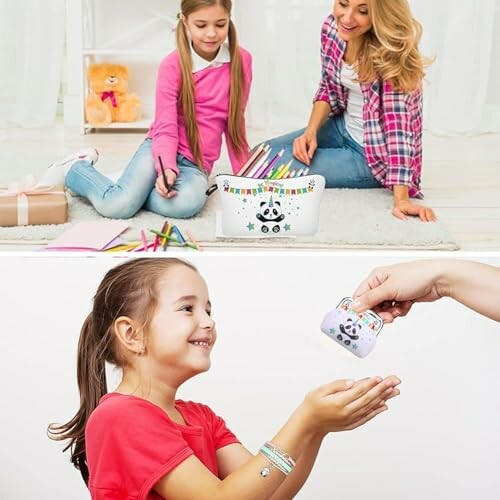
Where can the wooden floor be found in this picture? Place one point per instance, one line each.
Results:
(461, 175)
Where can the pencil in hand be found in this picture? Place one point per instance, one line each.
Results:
(167, 186)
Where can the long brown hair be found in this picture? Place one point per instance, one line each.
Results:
(390, 49)
(130, 289)
(237, 133)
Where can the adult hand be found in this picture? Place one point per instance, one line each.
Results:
(344, 405)
(305, 146)
(391, 291)
(403, 208)
(166, 191)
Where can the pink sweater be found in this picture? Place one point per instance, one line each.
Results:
(168, 130)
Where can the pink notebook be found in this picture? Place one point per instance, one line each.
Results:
(89, 236)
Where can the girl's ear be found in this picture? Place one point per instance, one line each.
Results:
(130, 337)
(186, 29)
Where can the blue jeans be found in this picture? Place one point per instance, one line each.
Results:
(135, 189)
(339, 158)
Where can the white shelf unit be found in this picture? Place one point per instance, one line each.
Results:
(136, 34)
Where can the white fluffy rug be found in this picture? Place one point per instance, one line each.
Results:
(349, 219)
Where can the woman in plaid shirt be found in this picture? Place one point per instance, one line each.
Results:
(365, 128)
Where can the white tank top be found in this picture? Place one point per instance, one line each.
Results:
(354, 114)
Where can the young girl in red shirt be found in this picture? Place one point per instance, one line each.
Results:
(152, 318)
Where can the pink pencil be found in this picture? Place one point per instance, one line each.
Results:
(259, 163)
(250, 160)
(156, 242)
(144, 240)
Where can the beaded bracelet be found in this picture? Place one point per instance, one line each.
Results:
(275, 460)
(277, 457)
(285, 456)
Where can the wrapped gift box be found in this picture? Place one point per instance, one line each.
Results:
(32, 207)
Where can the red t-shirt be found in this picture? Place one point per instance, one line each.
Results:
(132, 443)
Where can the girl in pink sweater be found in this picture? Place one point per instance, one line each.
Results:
(201, 93)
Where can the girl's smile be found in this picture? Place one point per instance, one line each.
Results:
(205, 343)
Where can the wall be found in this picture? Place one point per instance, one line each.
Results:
(439, 439)
(283, 36)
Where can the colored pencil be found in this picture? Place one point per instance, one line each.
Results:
(282, 173)
(264, 171)
(259, 164)
(167, 187)
(144, 240)
(272, 172)
(190, 236)
(178, 234)
(250, 166)
(278, 172)
(284, 169)
(156, 242)
(250, 160)
(257, 174)
(167, 237)
(174, 240)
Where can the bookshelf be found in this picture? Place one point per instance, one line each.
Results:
(136, 34)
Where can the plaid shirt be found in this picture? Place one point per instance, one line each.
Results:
(392, 119)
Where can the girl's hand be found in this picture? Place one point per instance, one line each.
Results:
(403, 208)
(305, 146)
(166, 191)
(344, 405)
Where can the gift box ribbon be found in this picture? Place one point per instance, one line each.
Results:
(26, 187)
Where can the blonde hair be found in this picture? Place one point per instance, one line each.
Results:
(237, 133)
(389, 51)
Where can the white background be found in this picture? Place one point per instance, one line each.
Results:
(440, 438)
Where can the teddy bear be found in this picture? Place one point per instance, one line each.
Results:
(108, 99)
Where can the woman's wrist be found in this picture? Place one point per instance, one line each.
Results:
(320, 113)
(400, 193)
(452, 277)
(311, 130)
(444, 277)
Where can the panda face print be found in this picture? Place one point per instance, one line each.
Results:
(356, 332)
(270, 212)
(350, 328)
(270, 215)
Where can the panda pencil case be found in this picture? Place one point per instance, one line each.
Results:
(259, 208)
(355, 332)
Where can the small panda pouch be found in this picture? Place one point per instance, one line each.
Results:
(260, 208)
(355, 332)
